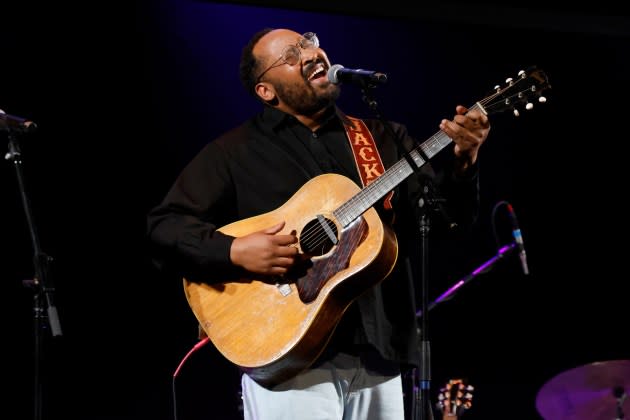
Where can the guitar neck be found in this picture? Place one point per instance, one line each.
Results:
(393, 176)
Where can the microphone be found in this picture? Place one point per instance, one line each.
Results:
(16, 124)
(338, 74)
(518, 238)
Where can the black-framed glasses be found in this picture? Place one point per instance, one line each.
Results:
(291, 53)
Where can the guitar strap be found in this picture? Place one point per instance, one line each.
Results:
(366, 156)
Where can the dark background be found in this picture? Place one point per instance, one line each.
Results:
(125, 94)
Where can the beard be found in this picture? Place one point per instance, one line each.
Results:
(305, 99)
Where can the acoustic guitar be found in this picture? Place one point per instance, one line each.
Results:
(272, 328)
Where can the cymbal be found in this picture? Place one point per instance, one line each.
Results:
(588, 392)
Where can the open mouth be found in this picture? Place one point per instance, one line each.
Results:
(317, 72)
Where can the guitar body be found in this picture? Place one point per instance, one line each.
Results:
(274, 328)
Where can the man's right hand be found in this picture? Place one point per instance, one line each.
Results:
(265, 252)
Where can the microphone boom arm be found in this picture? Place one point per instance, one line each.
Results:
(483, 268)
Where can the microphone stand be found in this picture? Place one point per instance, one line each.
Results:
(424, 413)
(43, 302)
(421, 408)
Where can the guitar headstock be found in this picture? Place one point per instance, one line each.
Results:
(455, 398)
(528, 87)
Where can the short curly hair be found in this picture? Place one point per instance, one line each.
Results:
(249, 65)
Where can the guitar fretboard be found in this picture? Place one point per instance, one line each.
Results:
(397, 173)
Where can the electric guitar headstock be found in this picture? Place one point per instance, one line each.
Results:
(454, 399)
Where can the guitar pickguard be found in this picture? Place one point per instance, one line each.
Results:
(311, 274)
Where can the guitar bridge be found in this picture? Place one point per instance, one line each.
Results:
(284, 288)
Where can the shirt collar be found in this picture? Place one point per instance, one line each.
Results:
(277, 117)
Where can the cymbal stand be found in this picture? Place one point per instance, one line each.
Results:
(620, 395)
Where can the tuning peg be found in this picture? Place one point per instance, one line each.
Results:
(542, 99)
(516, 113)
(529, 106)
(509, 81)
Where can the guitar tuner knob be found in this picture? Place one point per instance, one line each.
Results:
(508, 80)
(497, 88)
(542, 99)
(522, 74)
(516, 113)
(529, 106)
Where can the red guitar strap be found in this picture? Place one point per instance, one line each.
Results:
(366, 156)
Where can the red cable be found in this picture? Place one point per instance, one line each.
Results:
(196, 347)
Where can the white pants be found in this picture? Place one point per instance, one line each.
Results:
(342, 388)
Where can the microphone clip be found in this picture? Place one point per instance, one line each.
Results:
(16, 125)
(516, 234)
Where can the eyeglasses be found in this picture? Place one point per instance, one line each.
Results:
(291, 53)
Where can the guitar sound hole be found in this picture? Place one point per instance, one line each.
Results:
(315, 239)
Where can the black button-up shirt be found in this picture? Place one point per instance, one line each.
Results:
(256, 167)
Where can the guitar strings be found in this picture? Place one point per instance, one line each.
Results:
(320, 236)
